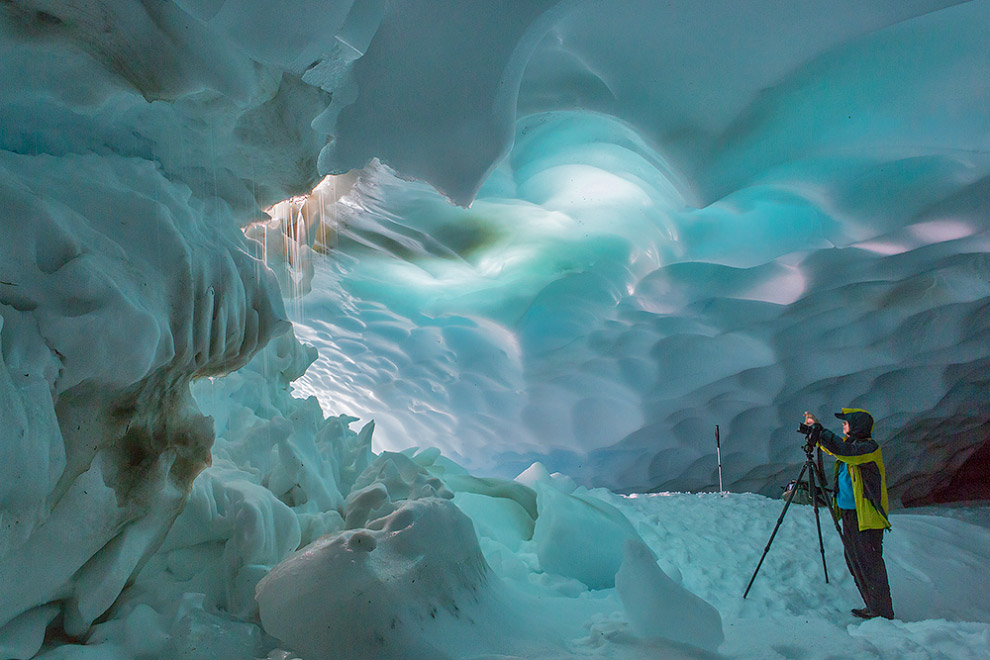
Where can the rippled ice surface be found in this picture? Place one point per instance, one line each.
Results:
(584, 312)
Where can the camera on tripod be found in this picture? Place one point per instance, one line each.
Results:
(815, 488)
(811, 439)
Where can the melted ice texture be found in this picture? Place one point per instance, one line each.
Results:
(586, 313)
(684, 214)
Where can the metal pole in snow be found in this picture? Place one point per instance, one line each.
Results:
(718, 451)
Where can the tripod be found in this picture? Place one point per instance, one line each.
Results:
(814, 471)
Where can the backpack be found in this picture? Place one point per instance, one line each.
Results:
(801, 494)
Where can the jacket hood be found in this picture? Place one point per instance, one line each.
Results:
(860, 422)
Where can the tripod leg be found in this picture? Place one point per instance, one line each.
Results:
(824, 482)
(780, 519)
(813, 489)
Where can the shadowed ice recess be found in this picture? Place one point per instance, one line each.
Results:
(585, 313)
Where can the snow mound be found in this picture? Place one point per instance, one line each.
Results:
(374, 592)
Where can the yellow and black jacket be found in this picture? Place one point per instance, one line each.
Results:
(864, 460)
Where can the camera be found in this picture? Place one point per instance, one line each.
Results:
(805, 429)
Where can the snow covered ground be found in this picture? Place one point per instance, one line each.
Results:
(936, 566)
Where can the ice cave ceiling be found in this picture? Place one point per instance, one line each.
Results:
(578, 232)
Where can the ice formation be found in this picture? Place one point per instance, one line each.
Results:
(671, 215)
(583, 313)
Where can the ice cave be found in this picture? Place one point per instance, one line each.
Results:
(482, 329)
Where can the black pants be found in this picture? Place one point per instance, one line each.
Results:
(864, 557)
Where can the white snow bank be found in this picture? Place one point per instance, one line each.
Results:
(407, 578)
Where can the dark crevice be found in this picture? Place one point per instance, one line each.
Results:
(970, 482)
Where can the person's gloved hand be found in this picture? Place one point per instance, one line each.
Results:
(816, 427)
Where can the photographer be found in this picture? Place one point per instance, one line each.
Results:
(860, 500)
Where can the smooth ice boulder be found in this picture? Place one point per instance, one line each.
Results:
(659, 607)
(537, 473)
(497, 518)
(493, 487)
(580, 537)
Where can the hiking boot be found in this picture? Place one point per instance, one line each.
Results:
(867, 614)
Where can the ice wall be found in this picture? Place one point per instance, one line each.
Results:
(102, 332)
(135, 140)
